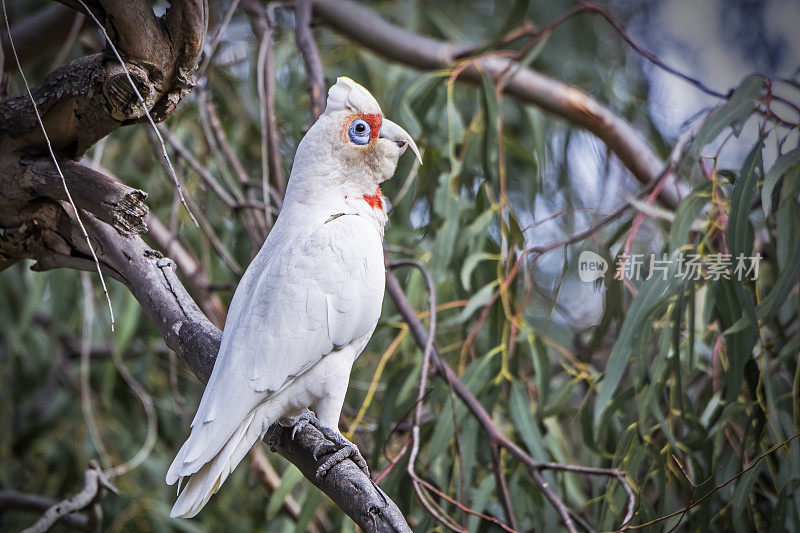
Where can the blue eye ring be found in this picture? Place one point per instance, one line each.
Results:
(359, 131)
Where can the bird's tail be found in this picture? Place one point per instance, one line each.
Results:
(208, 479)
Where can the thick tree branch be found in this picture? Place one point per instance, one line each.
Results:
(84, 100)
(195, 277)
(108, 199)
(360, 24)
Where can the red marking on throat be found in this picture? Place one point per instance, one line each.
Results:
(375, 201)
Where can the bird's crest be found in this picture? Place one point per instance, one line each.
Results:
(348, 95)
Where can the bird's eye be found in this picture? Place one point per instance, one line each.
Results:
(359, 131)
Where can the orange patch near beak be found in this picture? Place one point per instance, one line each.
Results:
(375, 120)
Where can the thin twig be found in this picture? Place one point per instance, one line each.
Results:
(85, 372)
(74, 31)
(201, 170)
(427, 354)
(208, 229)
(152, 420)
(502, 486)
(423, 379)
(253, 220)
(271, 167)
(396, 459)
(11, 500)
(211, 141)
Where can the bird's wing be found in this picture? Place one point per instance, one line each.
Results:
(302, 297)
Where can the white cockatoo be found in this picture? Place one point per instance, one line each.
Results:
(308, 303)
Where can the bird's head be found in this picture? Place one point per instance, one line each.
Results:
(351, 145)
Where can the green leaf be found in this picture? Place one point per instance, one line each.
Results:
(489, 101)
(740, 231)
(788, 229)
(290, 477)
(732, 303)
(448, 206)
(479, 500)
(733, 113)
(650, 295)
(310, 503)
(127, 322)
(541, 367)
(525, 422)
(471, 263)
(744, 488)
(776, 171)
(686, 215)
(477, 301)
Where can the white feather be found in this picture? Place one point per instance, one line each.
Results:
(349, 95)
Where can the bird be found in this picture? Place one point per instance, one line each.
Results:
(308, 302)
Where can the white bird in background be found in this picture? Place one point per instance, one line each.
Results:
(307, 304)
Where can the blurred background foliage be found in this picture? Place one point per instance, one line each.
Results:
(701, 377)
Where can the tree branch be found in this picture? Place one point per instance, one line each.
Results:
(108, 199)
(271, 157)
(83, 101)
(94, 482)
(362, 25)
(11, 500)
(310, 52)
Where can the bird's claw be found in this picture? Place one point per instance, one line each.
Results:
(297, 424)
(336, 444)
(341, 449)
(306, 417)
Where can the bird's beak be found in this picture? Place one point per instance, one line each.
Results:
(393, 132)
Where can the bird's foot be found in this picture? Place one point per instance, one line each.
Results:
(306, 417)
(336, 444)
(339, 449)
(298, 423)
